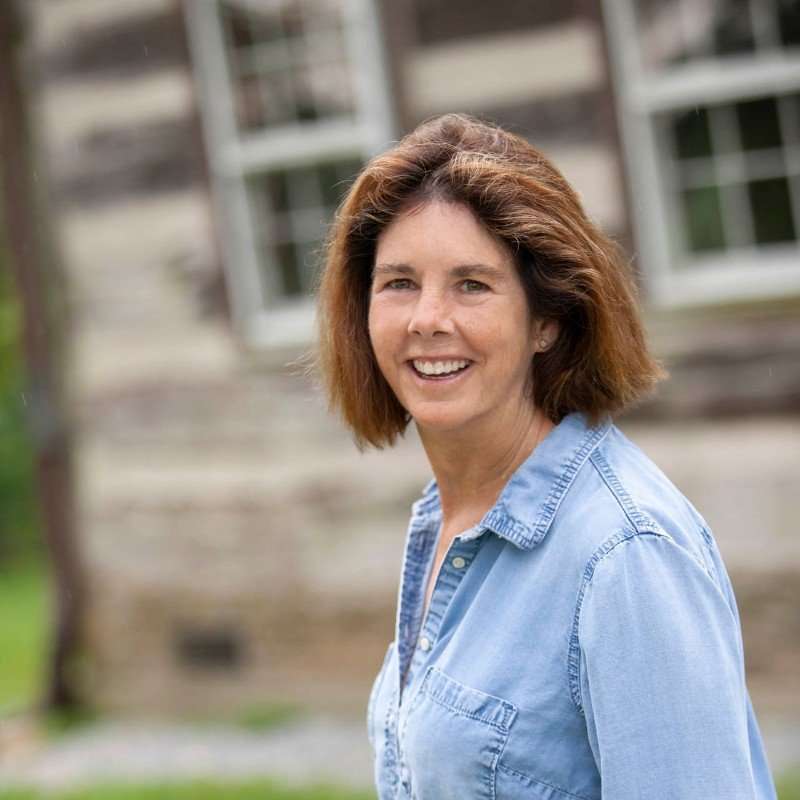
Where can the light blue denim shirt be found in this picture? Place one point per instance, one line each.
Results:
(583, 641)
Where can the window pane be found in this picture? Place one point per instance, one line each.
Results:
(292, 208)
(278, 191)
(309, 256)
(259, 101)
(789, 21)
(323, 14)
(317, 186)
(733, 28)
(660, 33)
(304, 191)
(759, 126)
(677, 31)
(772, 210)
(288, 61)
(288, 269)
(248, 25)
(330, 88)
(791, 108)
(703, 217)
(673, 32)
(292, 17)
(335, 180)
(691, 134)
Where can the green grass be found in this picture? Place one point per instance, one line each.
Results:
(62, 722)
(788, 789)
(270, 716)
(789, 785)
(195, 790)
(24, 612)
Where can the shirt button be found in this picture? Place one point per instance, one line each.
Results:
(458, 562)
(425, 644)
(405, 777)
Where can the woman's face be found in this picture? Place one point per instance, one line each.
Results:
(449, 321)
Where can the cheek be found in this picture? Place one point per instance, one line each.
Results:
(380, 333)
(488, 332)
(373, 320)
(515, 345)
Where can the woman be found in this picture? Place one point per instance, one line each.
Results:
(566, 627)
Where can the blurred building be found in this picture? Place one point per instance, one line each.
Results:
(239, 549)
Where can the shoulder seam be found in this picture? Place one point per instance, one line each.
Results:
(637, 518)
(622, 536)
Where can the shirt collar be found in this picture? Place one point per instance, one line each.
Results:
(527, 505)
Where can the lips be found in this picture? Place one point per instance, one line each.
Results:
(439, 368)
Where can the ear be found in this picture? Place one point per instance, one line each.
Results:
(545, 333)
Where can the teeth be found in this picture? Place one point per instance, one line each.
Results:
(439, 367)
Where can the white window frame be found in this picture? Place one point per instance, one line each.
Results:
(670, 279)
(233, 156)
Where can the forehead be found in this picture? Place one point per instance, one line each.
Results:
(441, 231)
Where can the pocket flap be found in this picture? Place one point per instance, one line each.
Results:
(467, 701)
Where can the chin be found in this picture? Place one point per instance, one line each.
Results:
(439, 423)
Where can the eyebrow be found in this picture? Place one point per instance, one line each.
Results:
(460, 271)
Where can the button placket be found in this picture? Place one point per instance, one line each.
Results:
(420, 544)
(451, 573)
(454, 567)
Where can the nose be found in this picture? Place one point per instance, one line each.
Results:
(431, 315)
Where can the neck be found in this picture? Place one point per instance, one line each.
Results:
(472, 468)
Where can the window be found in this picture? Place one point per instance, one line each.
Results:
(732, 167)
(293, 95)
(709, 95)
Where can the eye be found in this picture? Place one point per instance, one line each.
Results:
(472, 286)
(398, 283)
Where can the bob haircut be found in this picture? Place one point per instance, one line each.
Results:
(571, 272)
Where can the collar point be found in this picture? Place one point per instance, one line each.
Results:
(499, 521)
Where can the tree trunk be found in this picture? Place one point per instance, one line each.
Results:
(25, 232)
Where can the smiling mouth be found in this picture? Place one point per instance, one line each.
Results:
(439, 370)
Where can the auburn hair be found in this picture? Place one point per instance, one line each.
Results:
(572, 273)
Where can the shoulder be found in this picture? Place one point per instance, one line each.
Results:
(648, 497)
(641, 546)
(622, 493)
(588, 489)
(635, 505)
(645, 600)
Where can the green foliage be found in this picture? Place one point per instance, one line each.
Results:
(19, 529)
(196, 790)
(23, 633)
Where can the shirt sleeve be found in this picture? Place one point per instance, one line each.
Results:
(662, 677)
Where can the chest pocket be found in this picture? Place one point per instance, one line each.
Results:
(451, 740)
